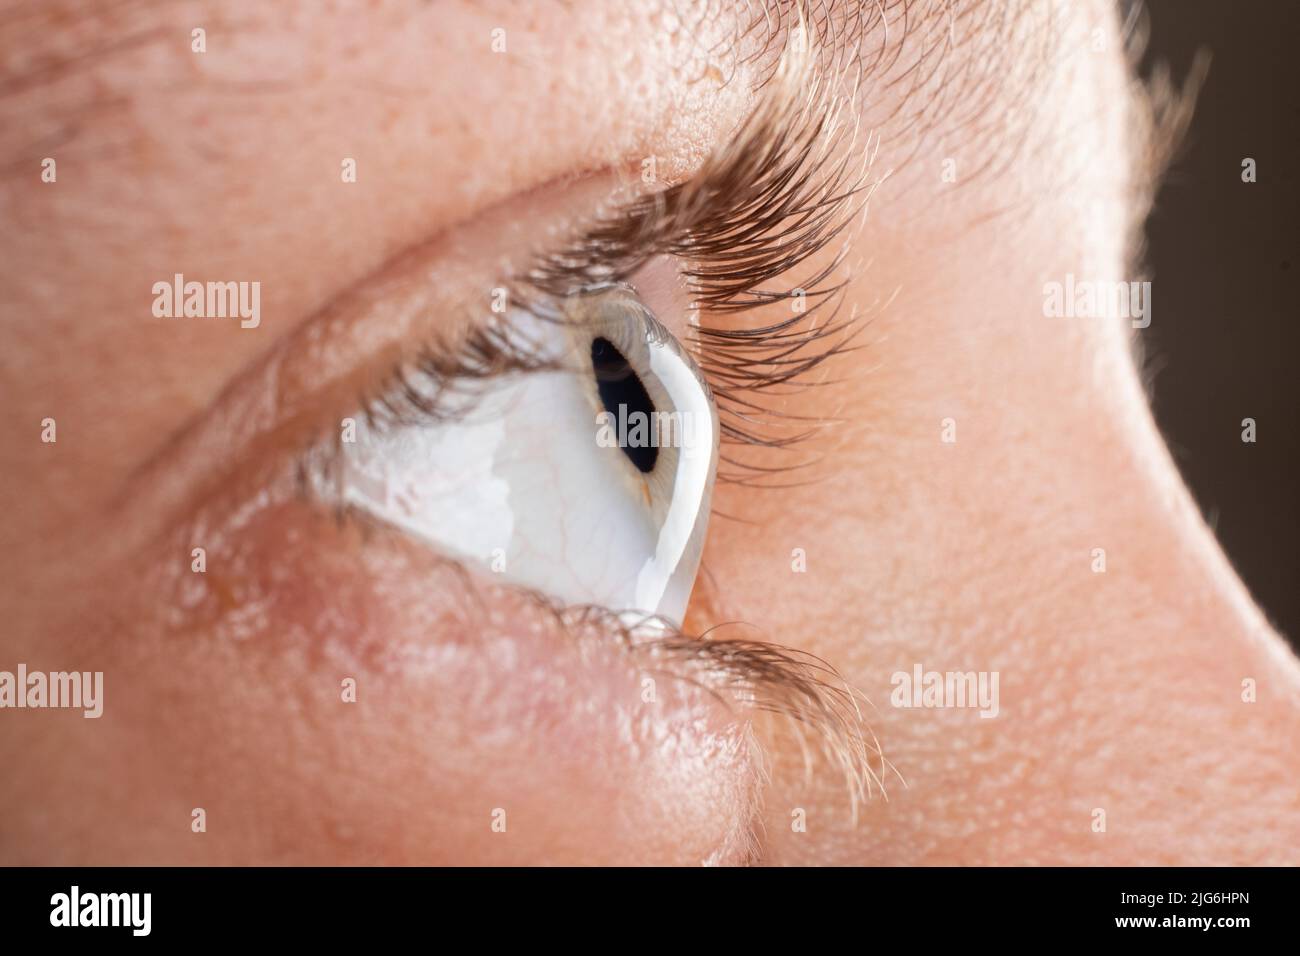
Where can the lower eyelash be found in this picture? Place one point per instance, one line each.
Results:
(806, 692)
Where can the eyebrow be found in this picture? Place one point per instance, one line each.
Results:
(55, 52)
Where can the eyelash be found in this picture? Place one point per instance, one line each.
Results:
(786, 190)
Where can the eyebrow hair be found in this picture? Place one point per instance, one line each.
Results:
(940, 65)
(111, 29)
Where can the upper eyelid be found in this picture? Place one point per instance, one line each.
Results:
(304, 371)
(788, 187)
(299, 389)
(784, 188)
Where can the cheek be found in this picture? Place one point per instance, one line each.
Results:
(345, 696)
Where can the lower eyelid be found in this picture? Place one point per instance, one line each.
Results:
(460, 677)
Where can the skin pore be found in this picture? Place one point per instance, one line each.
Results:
(1119, 691)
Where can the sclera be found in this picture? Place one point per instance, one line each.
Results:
(525, 484)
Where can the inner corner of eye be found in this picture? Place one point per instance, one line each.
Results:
(589, 481)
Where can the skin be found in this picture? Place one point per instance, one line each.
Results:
(1120, 691)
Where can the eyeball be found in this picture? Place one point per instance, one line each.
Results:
(589, 480)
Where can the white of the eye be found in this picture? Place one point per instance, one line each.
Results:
(521, 486)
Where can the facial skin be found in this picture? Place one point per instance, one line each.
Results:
(1119, 691)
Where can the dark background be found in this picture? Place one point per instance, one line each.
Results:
(1224, 261)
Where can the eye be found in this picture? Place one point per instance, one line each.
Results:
(588, 479)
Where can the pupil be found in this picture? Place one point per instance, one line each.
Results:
(619, 386)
